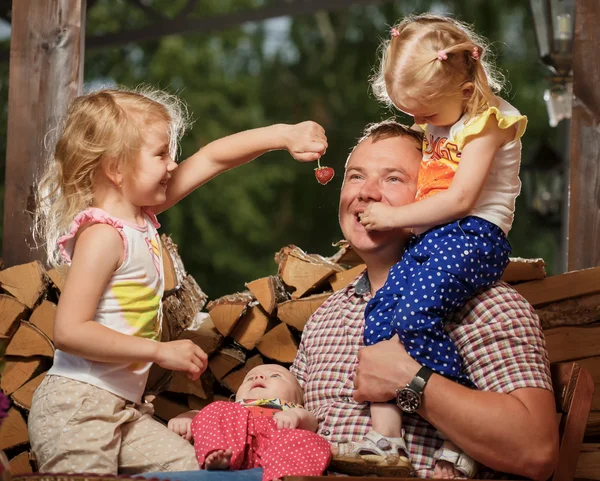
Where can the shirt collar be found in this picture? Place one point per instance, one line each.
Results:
(363, 285)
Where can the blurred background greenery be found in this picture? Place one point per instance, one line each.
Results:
(290, 69)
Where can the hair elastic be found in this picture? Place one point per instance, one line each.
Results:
(475, 53)
(395, 32)
(442, 55)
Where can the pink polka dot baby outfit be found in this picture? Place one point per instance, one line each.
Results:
(250, 431)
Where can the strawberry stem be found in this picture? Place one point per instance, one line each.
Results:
(319, 163)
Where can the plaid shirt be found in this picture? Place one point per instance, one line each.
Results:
(497, 334)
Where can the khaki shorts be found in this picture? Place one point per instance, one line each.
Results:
(75, 427)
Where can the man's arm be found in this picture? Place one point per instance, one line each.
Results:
(514, 433)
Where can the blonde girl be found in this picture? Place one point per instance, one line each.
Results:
(436, 70)
(111, 172)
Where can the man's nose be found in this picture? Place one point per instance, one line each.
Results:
(370, 191)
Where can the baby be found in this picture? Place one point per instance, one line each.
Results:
(265, 427)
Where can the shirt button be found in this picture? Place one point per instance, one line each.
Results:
(326, 432)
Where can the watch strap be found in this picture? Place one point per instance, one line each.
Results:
(420, 380)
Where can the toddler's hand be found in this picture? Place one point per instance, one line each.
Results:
(182, 355)
(378, 216)
(181, 425)
(305, 141)
(289, 419)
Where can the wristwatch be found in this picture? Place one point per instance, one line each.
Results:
(408, 399)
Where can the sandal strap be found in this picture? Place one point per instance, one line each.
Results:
(382, 443)
(462, 462)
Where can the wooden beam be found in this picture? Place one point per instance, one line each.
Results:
(187, 24)
(584, 195)
(46, 73)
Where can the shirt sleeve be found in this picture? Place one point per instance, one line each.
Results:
(505, 120)
(298, 368)
(501, 342)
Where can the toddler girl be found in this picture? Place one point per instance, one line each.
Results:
(435, 69)
(111, 172)
(266, 427)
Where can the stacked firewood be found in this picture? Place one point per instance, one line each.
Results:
(263, 324)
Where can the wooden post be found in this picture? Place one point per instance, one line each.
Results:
(46, 72)
(584, 197)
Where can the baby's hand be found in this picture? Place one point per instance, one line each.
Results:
(305, 141)
(378, 216)
(289, 419)
(182, 355)
(181, 425)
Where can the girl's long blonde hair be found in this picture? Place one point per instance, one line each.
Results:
(103, 126)
(412, 63)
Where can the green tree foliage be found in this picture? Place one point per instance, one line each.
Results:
(288, 70)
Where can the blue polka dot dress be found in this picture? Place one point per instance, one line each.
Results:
(439, 271)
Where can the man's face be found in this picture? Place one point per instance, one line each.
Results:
(384, 171)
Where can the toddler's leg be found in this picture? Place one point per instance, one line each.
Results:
(73, 427)
(149, 446)
(386, 420)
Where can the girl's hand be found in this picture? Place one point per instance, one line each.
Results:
(182, 355)
(181, 425)
(378, 216)
(289, 419)
(305, 141)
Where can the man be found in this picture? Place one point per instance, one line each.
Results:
(507, 424)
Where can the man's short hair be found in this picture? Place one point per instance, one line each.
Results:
(387, 129)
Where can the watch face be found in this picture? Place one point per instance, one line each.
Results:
(408, 400)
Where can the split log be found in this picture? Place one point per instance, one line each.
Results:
(20, 464)
(43, 318)
(346, 256)
(570, 343)
(26, 282)
(570, 312)
(234, 380)
(592, 364)
(58, 276)
(519, 270)
(201, 388)
(17, 373)
(23, 396)
(173, 268)
(11, 312)
(278, 344)
(226, 360)
(158, 380)
(251, 327)
(561, 287)
(339, 280)
(593, 424)
(296, 313)
(226, 311)
(13, 430)
(303, 272)
(588, 463)
(203, 333)
(269, 291)
(181, 307)
(167, 406)
(29, 341)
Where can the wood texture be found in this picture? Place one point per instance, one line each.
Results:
(296, 312)
(26, 282)
(46, 73)
(584, 192)
(29, 341)
(339, 280)
(569, 343)
(278, 344)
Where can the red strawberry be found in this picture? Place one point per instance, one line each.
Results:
(324, 174)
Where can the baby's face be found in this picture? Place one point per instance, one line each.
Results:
(269, 381)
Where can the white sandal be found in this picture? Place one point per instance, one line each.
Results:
(374, 454)
(462, 462)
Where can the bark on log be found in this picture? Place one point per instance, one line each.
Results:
(269, 291)
(296, 313)
(226, 360)
(11, 312)
(251, 327)
(29, 341)
(226, 311)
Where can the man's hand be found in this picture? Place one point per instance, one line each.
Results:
(378, 216)
(305, 141)
(383, 368)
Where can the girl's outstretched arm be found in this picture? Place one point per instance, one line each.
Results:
(97, 254)
(455, 202)
(305, 141)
